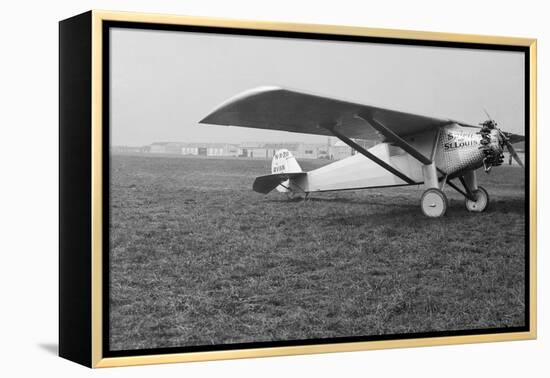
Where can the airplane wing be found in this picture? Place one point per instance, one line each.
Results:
(277, 108)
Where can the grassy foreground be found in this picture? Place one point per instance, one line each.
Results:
(198, 258)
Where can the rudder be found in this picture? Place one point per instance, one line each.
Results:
(284, 162)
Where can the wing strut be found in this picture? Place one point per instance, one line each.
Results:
(367, 154)
(386, 132)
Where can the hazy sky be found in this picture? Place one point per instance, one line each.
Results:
(164, 82)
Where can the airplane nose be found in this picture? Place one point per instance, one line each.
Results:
(492, 144)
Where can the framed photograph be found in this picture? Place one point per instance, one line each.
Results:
(234, 189)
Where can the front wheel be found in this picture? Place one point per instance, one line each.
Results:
(434, 203)
(481, 200)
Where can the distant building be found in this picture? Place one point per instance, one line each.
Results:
(190, 150)
(130, 149)
(340, 150)
(197, 149)
(258, 150)
(261, 150)
(209, 149)
(311, 151)
(157, 148)
(254, 150)
(173, 148)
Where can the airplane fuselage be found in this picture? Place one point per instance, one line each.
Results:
(454, 149)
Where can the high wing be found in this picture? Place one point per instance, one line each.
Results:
(277, 108)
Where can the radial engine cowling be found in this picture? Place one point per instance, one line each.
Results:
(492, 144)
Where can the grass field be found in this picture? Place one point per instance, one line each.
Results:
(198, 258)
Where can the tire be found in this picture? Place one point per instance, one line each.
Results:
(434, 203)
(481, 203)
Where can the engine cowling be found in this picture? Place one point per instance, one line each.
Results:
(492, 144)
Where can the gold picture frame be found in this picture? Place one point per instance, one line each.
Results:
(81, 254)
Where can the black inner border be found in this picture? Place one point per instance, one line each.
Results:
(107, 25)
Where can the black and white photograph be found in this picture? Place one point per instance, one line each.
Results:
(278, 190)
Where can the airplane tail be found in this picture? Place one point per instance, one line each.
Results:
(284, 168)
(284, 162)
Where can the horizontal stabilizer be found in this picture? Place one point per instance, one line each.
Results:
(265, 184)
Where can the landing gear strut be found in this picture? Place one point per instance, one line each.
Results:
(434, 202)
(477, 198)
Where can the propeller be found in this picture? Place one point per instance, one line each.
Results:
(505, 139)
(510, 148)
(488, 115)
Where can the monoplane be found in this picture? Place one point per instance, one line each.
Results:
(413, 149)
